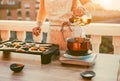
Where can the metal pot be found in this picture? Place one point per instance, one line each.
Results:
(78, 45)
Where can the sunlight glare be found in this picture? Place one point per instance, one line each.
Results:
(106, 3)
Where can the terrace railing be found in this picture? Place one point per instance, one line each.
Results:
(95, 30)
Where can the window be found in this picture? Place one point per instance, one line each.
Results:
(9, 18)
(28, 18)
(37, 6)
(20, 18)
(8, 12)
(26, 5)
(10, 2)
(27, 13)
(38, 0)
(19, 13)
(0, 1)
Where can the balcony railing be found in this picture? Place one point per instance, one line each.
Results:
(13, 5)
(96, 30)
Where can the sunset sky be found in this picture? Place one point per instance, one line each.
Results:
(109, 4)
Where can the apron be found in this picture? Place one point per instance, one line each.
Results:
(58, 12)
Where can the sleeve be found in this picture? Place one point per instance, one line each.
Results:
(41, 13)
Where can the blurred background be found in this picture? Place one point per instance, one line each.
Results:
(106, 11)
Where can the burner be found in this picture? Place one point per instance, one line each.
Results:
(77, 53)
(77, 57)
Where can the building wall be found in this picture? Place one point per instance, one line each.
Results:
(27, 10)
(3, 15)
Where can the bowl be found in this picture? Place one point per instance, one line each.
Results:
(16, 67)
(88, 74)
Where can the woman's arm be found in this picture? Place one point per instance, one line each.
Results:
(40, 18)
(41, 13)
(84, 1)
(88, 5)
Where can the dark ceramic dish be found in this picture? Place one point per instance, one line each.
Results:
(88, 75)
(16, 67)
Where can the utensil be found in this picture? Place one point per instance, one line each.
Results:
(78, 44)
(82, 19)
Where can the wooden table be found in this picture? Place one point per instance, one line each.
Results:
(106, 68)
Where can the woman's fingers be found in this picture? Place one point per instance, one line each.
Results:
(36, 31)
(80, 11)
(89, 6)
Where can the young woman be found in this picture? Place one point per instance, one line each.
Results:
(59, 12)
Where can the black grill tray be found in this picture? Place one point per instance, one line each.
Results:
(45, 55)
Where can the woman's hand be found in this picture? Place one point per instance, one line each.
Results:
(36, 31)
(89, 6)
(80, 11)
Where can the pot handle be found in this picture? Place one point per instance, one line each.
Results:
(62, 28)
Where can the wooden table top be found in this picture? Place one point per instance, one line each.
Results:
(106, 68)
